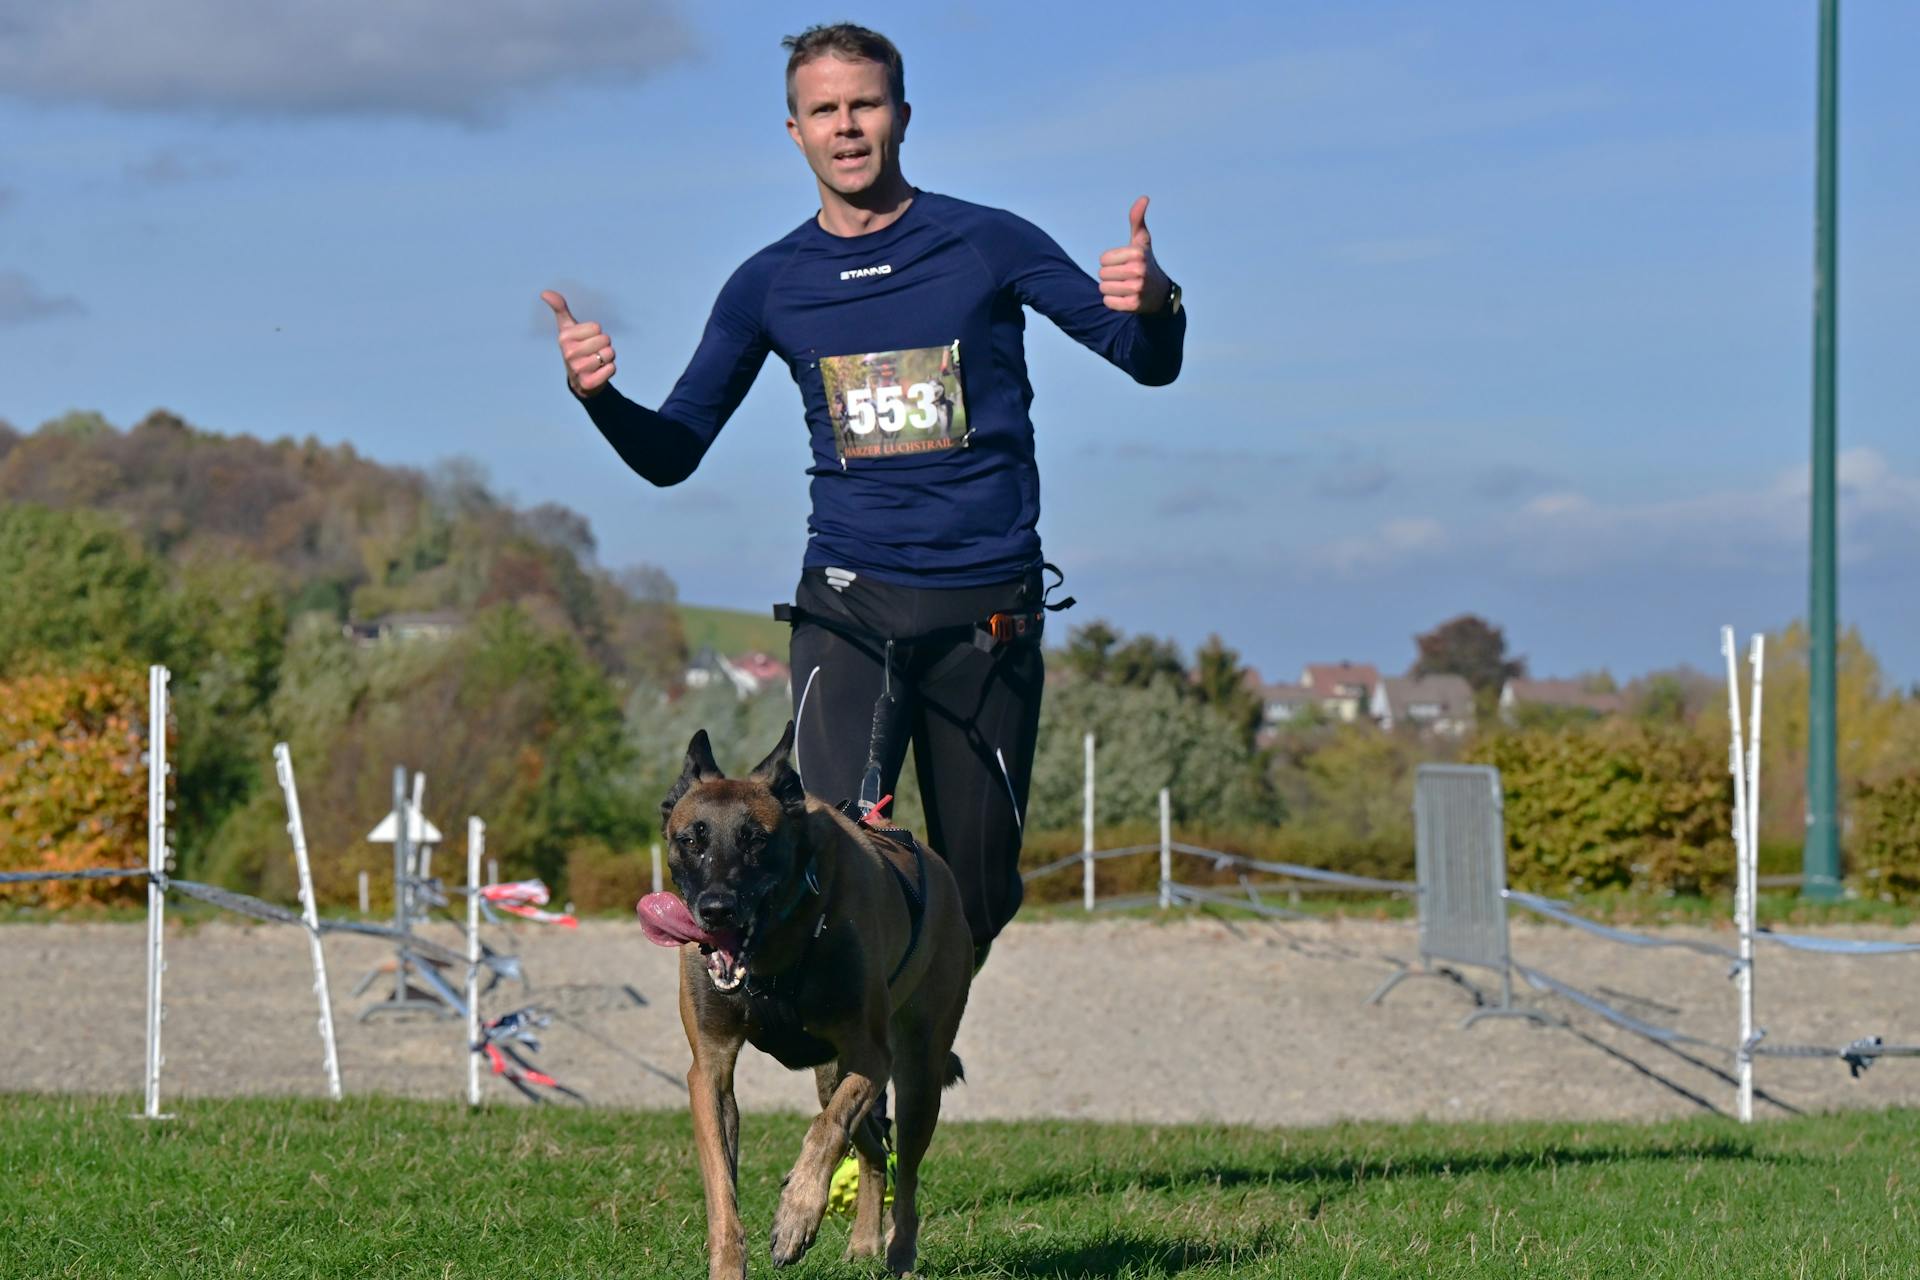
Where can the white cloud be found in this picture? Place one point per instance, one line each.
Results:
(1879, 513)
(1565, 534)
(450, 59)
(1392, 545)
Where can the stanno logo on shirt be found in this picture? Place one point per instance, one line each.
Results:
(884, 269)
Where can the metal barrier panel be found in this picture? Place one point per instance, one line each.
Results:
(1460, 849)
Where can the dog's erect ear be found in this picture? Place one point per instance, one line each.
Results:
(780, 777)
(698, 768)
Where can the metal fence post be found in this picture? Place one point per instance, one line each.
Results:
(1087, 827)
(476, 842)
(402, 868)
(1166, 848)
(157, 679)
(1743, 894)
(296, 829)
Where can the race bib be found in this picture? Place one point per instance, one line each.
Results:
(888, 403)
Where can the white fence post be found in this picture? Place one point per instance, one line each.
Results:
(363, 894)
(1087, 825)
(1743, 882)
(476, 842)
(656, 868)
(1166, 848)
(1757, 657)
(157, 679)
(330, 1057)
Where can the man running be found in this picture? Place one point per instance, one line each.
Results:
(897, 313)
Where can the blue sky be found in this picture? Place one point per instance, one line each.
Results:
(1494, 307)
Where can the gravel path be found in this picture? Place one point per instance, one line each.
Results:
(1188, 1020)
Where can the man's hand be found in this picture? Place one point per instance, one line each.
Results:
(1130, 280)
(587, 351)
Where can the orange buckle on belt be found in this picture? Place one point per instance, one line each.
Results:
(1007, 627)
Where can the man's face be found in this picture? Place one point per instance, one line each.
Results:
(846, 122)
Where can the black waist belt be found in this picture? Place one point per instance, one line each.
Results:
(1005, 626)
(1010, 626)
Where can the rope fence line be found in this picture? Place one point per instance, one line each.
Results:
(1564, 914)
(89, 873)
(1294, 877)
(1836, 946)
(267, 912)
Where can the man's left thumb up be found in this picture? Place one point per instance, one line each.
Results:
(1138, 217)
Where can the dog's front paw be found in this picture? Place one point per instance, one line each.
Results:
(794, 1227)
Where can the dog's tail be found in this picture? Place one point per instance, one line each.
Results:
(956, 1072)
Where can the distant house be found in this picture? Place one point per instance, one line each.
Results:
(1343, 689)
(748, 674)
(1285, 703)
(405, 626)
(1438, 704)
(1565, 695)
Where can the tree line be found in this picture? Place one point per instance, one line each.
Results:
(554, 706)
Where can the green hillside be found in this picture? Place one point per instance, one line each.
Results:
(732, 631)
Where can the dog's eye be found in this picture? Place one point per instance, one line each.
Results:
(752, 837)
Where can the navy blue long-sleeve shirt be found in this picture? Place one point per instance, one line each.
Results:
(944, 272)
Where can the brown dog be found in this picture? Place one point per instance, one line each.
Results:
(815, 950)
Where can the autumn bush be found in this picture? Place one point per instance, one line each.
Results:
(600, 878)
(73, 781)
(1883, 855)
(1616, 804)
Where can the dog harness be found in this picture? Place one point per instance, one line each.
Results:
(915, 890)
(773, 1006)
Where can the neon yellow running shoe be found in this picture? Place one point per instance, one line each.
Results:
(844, 1190)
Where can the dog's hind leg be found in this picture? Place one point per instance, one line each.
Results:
(864, 1067)
(869, 1234)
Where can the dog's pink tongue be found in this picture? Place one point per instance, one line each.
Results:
(667, 922)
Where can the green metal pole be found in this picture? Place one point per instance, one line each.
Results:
(1820, 861)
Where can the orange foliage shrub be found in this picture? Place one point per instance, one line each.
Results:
(73, 783)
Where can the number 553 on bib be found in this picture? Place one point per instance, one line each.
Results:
(885, 403)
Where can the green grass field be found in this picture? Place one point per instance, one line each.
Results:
(733, 631)
(379, 1188)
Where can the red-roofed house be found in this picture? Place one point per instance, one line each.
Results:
(1344, 689)
(748, 674)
